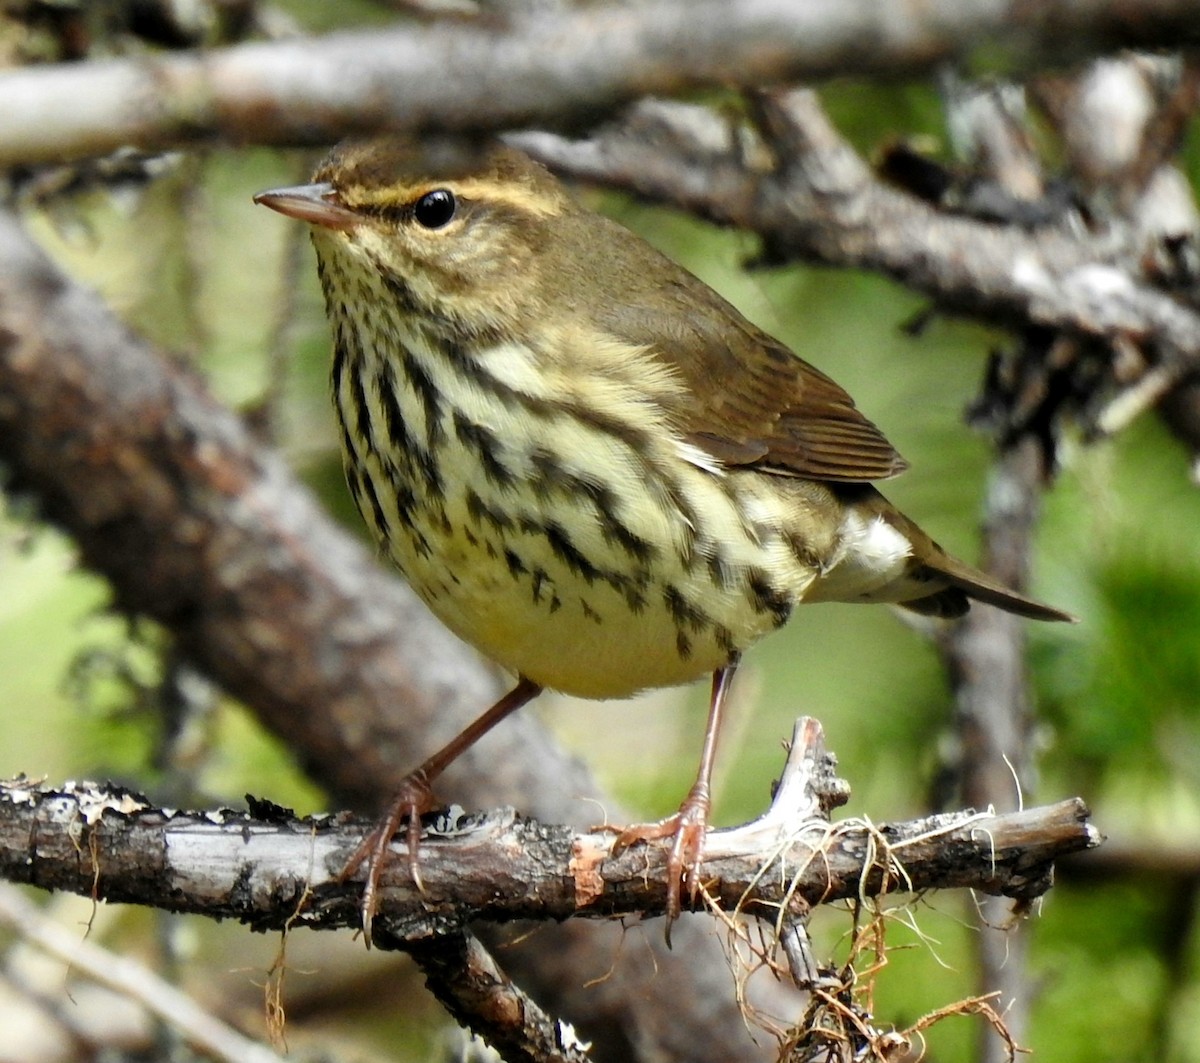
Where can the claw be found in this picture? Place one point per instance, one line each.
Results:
(687, 828)
(690, 824)
(414, 799)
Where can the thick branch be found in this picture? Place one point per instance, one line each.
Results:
(167, 495)
(278, 871)
(272, 871)
(549, 67)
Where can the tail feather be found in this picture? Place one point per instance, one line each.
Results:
(971, 583)
(951, 583)
(947, 604)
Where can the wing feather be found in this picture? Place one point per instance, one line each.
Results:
(749, 400)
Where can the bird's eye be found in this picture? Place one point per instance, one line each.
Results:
(435, 209)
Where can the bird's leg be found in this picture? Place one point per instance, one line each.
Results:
(415, 797)
(689, 825)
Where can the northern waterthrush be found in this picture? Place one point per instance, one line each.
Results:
(585, 461)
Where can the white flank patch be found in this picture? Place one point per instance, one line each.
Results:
(875, 545)
(870, 564)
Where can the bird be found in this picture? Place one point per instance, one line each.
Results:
(586, 462)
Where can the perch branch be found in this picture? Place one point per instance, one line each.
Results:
(276, 872)
(271, 870)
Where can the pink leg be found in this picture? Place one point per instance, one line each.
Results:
(415, 797)
(689, 825)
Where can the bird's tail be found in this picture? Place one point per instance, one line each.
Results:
(935, 583)
(969, 583)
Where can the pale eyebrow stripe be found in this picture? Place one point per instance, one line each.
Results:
(517, 196)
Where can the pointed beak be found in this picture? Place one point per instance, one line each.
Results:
(317, 204)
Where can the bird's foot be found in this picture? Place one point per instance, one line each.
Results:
(687, 828)
(412, 801)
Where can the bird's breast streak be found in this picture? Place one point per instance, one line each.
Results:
(555, 547)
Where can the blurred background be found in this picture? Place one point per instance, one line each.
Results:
(190, 262)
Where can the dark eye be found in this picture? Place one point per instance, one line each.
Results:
(435, 209)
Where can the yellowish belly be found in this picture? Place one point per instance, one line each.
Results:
(593, 556)
(547, 596)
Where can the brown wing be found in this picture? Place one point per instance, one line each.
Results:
(752, 401)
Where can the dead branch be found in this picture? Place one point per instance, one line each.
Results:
(272, 870)
(166, 493)
(549, 66)
(462, 974)
(985, 654)
(141, 474)
(1123, 313)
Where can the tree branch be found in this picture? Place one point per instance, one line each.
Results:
(484, 999)
(274, 871)
(144, 469)
(166, 494)
(824, 205)
(551, 67)
(1133, 331)
(985, 653)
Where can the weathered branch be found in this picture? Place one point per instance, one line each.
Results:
(142, 468)
(548, 67)
(462, 974)
(167, 494)
(984, 655)
(985, 659)
(271, 870)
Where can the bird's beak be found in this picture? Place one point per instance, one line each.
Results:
(316, 203)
